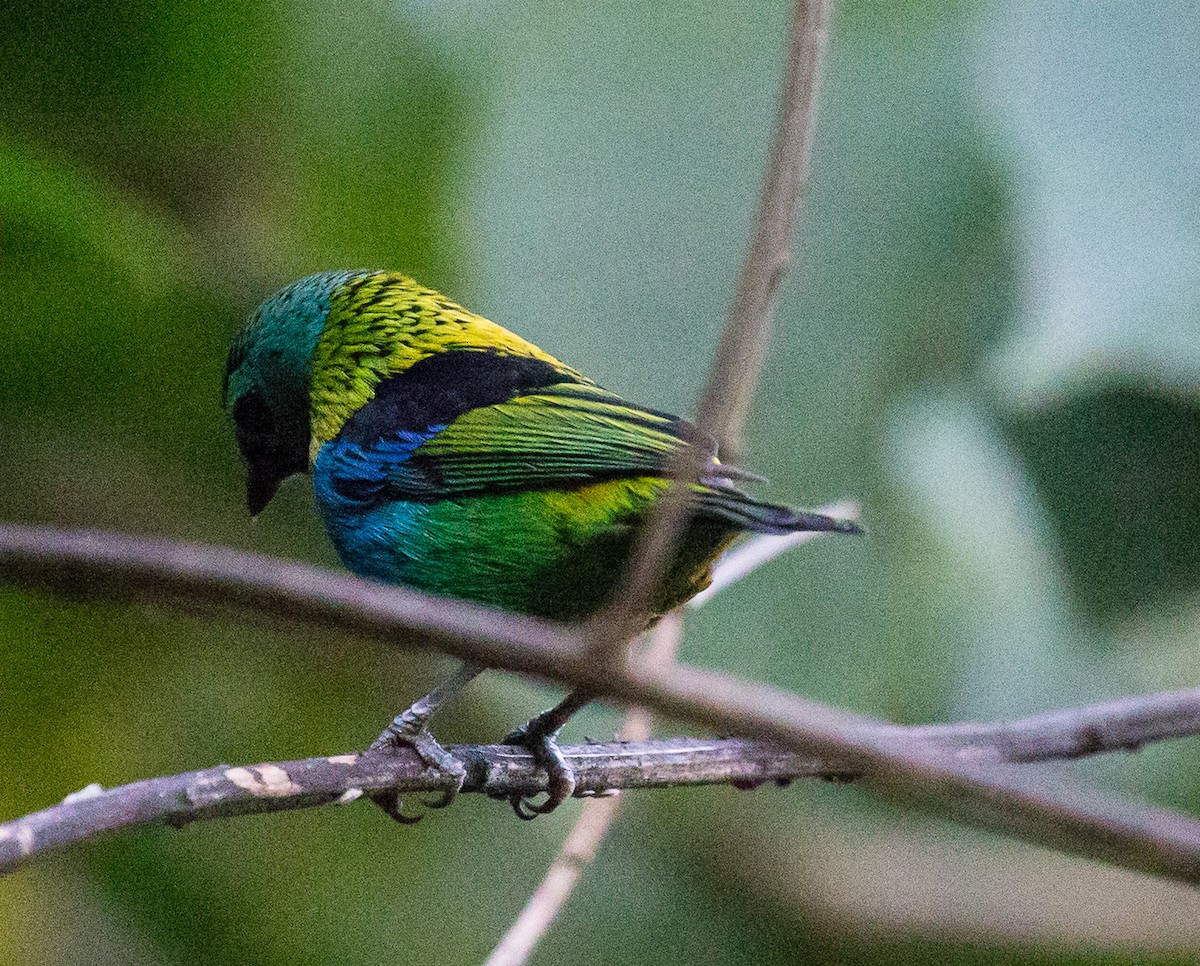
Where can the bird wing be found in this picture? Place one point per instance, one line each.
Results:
(548, 434)
(563, 433)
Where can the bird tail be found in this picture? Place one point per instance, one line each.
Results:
(746, 513)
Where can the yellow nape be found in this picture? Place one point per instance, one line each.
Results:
(379, 325)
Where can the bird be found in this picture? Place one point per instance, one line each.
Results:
(452, 456)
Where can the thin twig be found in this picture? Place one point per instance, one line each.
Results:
(722, 412)
(725, 401)
(577, 853)
(747, 557)
(583, 841)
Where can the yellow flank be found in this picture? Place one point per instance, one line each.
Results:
(595, 506)
(381, 324)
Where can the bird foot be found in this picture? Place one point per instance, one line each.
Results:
(409, 730)
(543, 745)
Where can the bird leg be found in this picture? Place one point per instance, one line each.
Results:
(540, 736)
(411, 728)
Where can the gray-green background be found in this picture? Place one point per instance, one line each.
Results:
(989, 339)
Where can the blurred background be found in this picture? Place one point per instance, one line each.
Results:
(990, 338)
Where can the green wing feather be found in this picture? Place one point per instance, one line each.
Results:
(575, 434)
(565, 433)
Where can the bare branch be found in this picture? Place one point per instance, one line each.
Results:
(502, 770)
(725, 401)
(95, 565)
(747, 557)
(583, 842)
(577, 853)
(587, 834)
(722, 411)
(1125, 724)
(118, 567)
(497, 770)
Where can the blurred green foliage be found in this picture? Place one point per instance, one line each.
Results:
(990, 339)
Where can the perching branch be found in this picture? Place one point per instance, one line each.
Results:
(963, 785)
(498, 770)
(503, 770)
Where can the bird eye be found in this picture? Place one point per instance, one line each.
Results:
(253, 416)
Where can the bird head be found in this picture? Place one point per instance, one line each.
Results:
(267, 379)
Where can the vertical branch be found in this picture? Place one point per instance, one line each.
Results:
(725, 402)
(583, 842)
(721, 412)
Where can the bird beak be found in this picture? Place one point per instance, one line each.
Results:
(261, 485)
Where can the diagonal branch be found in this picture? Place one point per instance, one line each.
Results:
(725, 401)
(722, 412)
(117, 567)
(583, 842)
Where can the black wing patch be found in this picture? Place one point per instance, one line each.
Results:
(438, 389)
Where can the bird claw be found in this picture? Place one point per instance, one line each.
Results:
(410, 730)
(560, 777)
(523, 808)
(444, 799)
(392, 805)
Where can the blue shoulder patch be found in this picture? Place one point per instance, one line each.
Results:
(352, 477)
